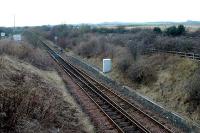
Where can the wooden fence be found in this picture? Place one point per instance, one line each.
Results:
(193, 56)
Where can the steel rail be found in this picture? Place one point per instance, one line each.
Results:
(126, 102)
(98, 89)
(126, 123)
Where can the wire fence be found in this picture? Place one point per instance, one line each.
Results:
(190, 55)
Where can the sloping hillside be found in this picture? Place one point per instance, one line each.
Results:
(173, 84)
(33, 97)
(33, 100)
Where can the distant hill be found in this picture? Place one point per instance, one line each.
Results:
(189, 22)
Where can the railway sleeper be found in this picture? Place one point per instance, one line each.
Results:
(105, 106)
(130, 129)
(112, 113)
(108, 110)
(117, 117)
(133, 112)
(124, 124)
(111, 131)
(119, 120)
(101, 103)
(125, 106)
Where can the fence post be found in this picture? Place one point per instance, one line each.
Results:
(193, 56)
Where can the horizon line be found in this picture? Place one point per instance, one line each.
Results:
(115, 23)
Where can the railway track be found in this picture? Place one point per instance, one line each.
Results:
(131, 109)
(121, 113)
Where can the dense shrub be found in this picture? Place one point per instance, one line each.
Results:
(134, 49)
(157, 30)
(39, 59)
(193, 91)
(174, 43)
(142, 74)
(94, 46)
(87, 49)
(174, 31)
(74, 37)
(29, 102)
(171, 31)
(123, 64)
(180, 30)
(26, 52)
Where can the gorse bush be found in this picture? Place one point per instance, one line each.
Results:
(181, 29)
(171, 31)
(174, 31)
(157, 30)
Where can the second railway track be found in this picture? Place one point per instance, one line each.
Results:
(124, 115)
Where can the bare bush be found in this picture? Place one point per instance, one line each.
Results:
(123, 64)
(124, 59)
(175, 43)
(29, 103)
(141, 73)
(24, 107)
(39, 59)
(193, 91)
(71, 37)
(25, 52)
(95, 46)
(88, 49)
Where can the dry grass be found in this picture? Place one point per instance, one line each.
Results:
(172, 89)
(193, 93)
(169, 90)
(31, 103)
(26, 52)
(170, 74)
(142, 73)
(32, 99)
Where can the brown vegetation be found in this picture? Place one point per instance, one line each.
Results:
(172, 81)
(94, 46)
(142, 73)
(193, 91)
(31, 99)
(26, 52)
(166, 79)
(30, 103)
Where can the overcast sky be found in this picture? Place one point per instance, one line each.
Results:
(43, 12)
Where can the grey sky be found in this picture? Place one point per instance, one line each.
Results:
(40, 12)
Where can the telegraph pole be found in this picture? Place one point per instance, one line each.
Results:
(14, 26)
